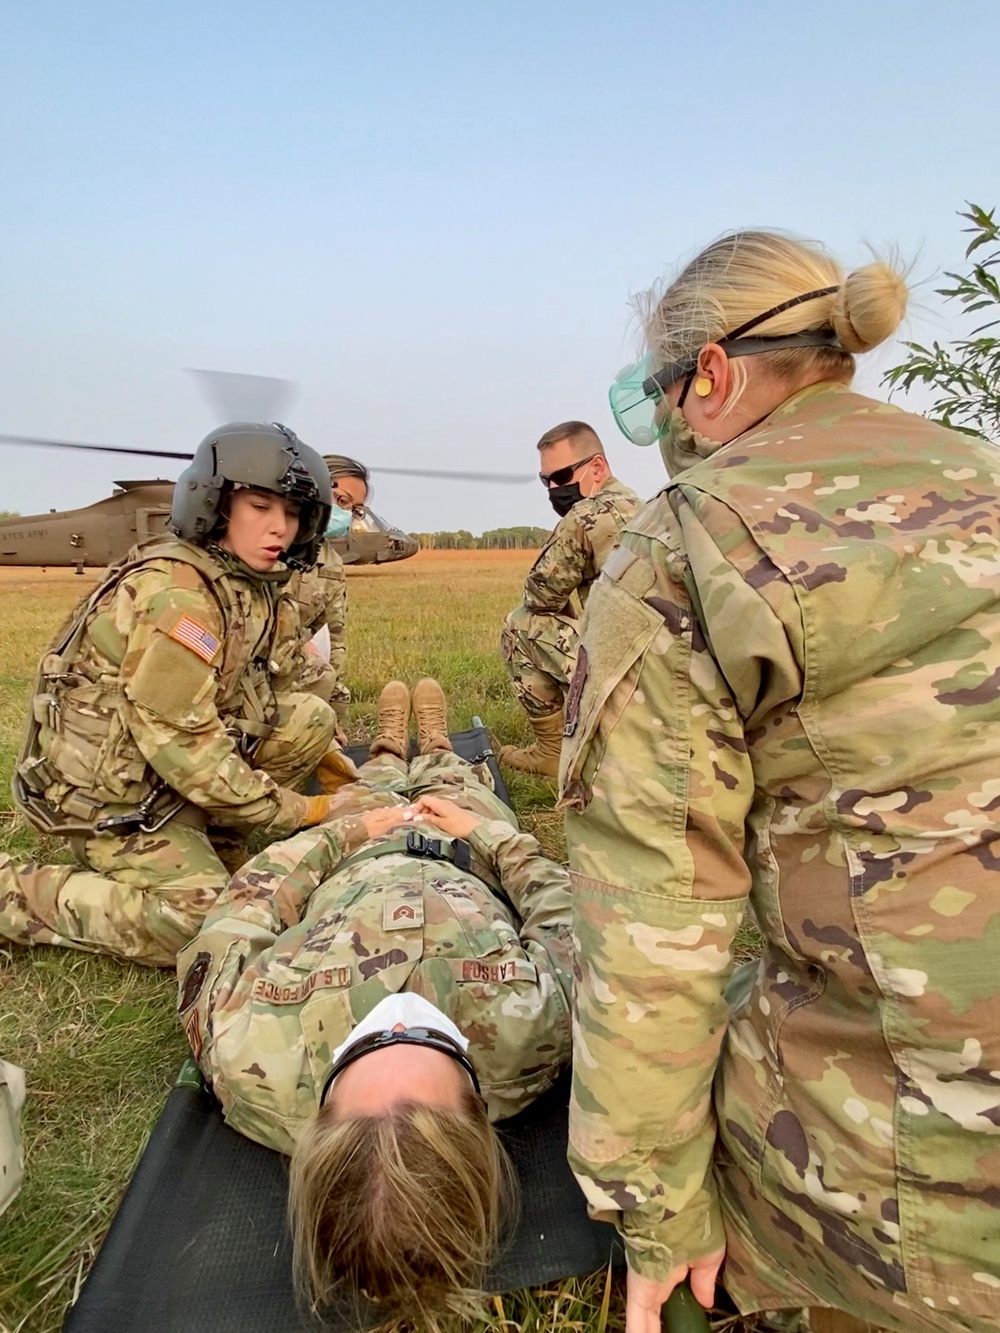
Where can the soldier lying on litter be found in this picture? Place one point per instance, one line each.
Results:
(540, 637)
(370, 996)
(156, 740)
(320, 594)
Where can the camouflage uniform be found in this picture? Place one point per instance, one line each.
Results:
(11, 1149)
(310, 600)
(296, 952)
(168, 683)
(791, 690)
(539, 638)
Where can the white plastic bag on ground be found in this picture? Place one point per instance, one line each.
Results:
(11, 1148)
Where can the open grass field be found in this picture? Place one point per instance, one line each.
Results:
(98, 1039)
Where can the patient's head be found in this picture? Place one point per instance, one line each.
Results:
(399, 1200)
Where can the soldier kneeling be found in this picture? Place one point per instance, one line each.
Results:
(370, 996)
(156, 740)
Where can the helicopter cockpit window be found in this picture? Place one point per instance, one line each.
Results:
(368, 521)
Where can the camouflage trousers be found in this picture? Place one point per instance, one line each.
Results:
(142, 896)
(386, 781)
(816, 1319)
(540, 651)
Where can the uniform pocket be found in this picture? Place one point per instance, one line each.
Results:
(84, 721)
(618, 629)
(290, 621)
(121, 765)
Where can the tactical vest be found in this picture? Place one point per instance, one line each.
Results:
(78, 754)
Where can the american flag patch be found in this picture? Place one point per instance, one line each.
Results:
(196, 637)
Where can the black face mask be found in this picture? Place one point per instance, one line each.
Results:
(563, 498)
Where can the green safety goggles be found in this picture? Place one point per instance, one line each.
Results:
(634, 398)
(640, 389)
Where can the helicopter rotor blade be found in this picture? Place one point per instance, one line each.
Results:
(36, 443)
(439, 474)
(237, 397)
(494, 478)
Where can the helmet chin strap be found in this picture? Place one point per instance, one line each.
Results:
(238, 566)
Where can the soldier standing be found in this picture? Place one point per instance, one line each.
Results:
(540, 637)
(370, 996)
(319, 595)
(156, 738)
(792, 694)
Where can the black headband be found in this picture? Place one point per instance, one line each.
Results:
(414, 1036)
(734, 344)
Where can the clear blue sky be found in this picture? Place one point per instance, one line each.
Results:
(430, 214)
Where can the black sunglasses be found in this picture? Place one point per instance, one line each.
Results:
(378, 1041)
(563, 475)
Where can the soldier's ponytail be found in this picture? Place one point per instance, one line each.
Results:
(402, 1209)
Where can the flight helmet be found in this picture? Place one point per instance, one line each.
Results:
(268, 457)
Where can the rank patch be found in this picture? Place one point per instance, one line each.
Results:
(196, 637)
(402, 913)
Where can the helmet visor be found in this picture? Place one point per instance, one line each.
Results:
(635, 409)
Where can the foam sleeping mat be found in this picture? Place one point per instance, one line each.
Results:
(200, 1240)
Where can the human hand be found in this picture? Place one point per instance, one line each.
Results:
(340, 735)
(334, 770)
(381, 821)
(646, 1296)
(447, 816)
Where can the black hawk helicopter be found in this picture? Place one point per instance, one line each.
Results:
(98, 534)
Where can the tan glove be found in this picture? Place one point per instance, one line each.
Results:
(317, 809)
(334, 770)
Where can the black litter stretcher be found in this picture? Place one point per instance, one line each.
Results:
(200, 1240)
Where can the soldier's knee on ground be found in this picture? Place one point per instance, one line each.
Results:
(132, 916)
(305, 731)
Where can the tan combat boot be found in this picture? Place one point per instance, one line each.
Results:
(393, 718)
(430, 710)
(543, 756)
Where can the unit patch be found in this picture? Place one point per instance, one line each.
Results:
(576, 690)
(194, 980)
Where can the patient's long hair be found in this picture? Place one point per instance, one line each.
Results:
(403, 1208)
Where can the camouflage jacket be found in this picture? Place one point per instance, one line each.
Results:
(577, 548)
(173, 665)
(295, 953)
(11, 1148)
(790, 689)
(310, 600)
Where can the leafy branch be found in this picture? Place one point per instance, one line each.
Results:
(966, 376)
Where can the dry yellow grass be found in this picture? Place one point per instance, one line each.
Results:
(99, 1040)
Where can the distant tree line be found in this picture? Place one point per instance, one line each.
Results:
(496, 539)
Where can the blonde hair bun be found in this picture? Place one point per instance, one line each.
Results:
(870, 306)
